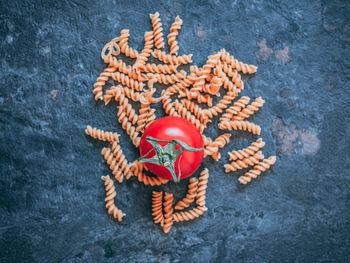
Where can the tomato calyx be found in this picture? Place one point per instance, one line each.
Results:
(167, 155)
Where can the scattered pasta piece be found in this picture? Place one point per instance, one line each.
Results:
(235, 64)
(174, 60)
(124, 47)
(240, 125)
(168, 212)
(249, 151)
(189, 215)
(157, 30)
(102, 135)
(257, 170)
(190, 196)
(174, 32)
(110, 194)
(202, 187)
(213, 148)
(249, 110)
(157, 207)
(233, 110)
(244, 163)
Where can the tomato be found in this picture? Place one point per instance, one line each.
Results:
(168, 129)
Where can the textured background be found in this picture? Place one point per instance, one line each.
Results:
(51, 195)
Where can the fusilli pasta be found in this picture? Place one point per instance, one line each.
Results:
(101, 82)
(190, 196)
(160, 68)
(249, 109)
(244, 163)
(257, 170)
(110, 194)
(137, 170)
(189, 215)
(235, 64)
(101, 135)
(186, 114)
(126, 80)
(157, 207)
(174, 60)
(250, 150)
(157, 30)
(233, 110)
(124, 47)
(240, 125)
(146, 52)
(174, 32)
(129, 128)
(168, 212)
(213, 148)
(202, 187)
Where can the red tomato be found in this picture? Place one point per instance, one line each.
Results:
(168, 128)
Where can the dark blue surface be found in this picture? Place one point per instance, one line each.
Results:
(51, 194)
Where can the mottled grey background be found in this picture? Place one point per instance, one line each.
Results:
(51, 195)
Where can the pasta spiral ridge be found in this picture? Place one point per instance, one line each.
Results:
(101, 134)
(235, 76)
(122, 161)
(202, 186)
(110, 194)
(186, 114)
(235, 64)
(195, 109)
(129, 128)
(220, 106)
(168, 212)
(124, 47)
(168, 105)
(233, 110)
(213, 148)
(126, 107)
(189, 215)
(250, 150)
(117, 163)
(182, 85)
(146, 114)
(101, 82)
(174, 32)
(174, 60)
(112, 48)
(196, 95)
(137, 170)
(249, 109)
(157, 30)
(126, 80)
(212, 62)
(167, 78)
(206, 140)
(240, 125)
(160, 68)
(257, 170)
(244, 163)
(115, 91)
(157, 207)
(190, 196)
(145, 53)
(120, 65)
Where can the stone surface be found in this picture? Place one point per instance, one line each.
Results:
(52, 197)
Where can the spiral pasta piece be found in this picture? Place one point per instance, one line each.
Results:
(257, 170)
(117, 162)
(101, 82)
(220, 106)
(167, 78)
(250, 109)
(186, 114)
(249, 151)
(189, 215)
(157, 30)
(101, 134)
(235, 76)
(157, 207)
(240, 125)
(126, 80)
(207, 140)
(202, 187)
(194, 69)
(116, 91)
(233, 110)
(146, 52)
(126, 107)
(160, 68)
(182, 85)
(124, 47)
(111, 48)
(168, 212)
(213, 148)
(244, 163)
(174, 32)
(198, 96)
(121, 159)
(235, 64)
(120, 65)
(146, 114)
(190, 196)
(174, 60)
(137, 170)
(168, 106)
(129, 128)
(110, 194)
(195, 109)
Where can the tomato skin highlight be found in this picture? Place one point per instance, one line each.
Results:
(168, 128)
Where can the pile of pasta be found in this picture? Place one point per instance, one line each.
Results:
(187, 95)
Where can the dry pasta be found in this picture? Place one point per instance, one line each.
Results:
(167, 78)
(157, 30)
(250, 150)
(189, 215)
(146, 52)
(190, 196)
(160, 68)
(137, 170)
(126, 80)
(168, 212)
(129, 128)
(101, 82)
(110, 194)
(220, 106)
(124, 47)
(174, 60)
(202, 187)
(240, 125)
(101, 135)
(213, 148)
(174, 32)
(250, 109)
(234, 63)
(233, 110)
(257, 170)
(235, 76)
(157, 207)
(186, 114)
(244, 163)
(195, 109)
